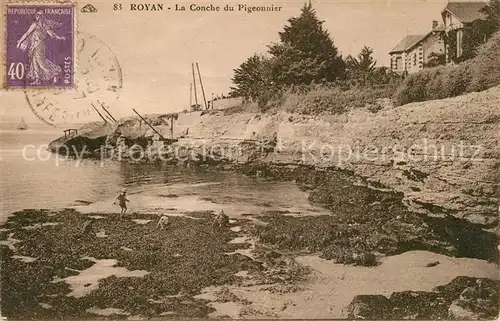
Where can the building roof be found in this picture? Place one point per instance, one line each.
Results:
(410, 41)
(466, 11)
(407, 42)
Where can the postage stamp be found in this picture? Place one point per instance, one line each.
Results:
(39, 46)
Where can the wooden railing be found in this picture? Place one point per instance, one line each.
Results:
(70, 132)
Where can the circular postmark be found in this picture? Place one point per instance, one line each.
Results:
(98, 81)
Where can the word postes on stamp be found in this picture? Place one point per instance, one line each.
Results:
(98, 81)
(39, 46)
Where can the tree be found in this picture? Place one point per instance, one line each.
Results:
(492, 12)
(251, 77)
(361, 66)
(480, 31)
(306, 53)
(382, 76)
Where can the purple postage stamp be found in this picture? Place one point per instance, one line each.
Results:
(40, 46)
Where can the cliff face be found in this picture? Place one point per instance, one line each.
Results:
(441, 154)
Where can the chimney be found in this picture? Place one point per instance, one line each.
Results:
(434, 24)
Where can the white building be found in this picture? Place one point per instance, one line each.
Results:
(413, 52)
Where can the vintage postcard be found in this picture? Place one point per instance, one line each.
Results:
(314, 159)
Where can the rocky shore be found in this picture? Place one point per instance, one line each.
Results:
(54, 269)
(441, 154)
(462, 298)
(55, 266)
(398, 212)
(129, 268)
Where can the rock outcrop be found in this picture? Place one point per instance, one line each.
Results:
(478, 300)
(442, 155)
(96, 138)
(89, 138)
(462, 298)
(365, 223)
(369, 306)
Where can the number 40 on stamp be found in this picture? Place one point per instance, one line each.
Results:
(39, 46)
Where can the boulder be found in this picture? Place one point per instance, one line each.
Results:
(479, 301)
(365, 259)
(463, 298)
(455, 311)
(432, 264)
(369, 307)
(134, 128)
(419, 305)
(89, 137)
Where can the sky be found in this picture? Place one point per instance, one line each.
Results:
(156, 49)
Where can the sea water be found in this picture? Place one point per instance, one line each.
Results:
(32, 177)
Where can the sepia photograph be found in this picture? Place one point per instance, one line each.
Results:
(302, 159)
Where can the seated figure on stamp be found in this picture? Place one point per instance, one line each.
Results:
(33, 40)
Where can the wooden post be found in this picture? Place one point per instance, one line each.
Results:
(107, 112)
(67, 132)
(161, 136)
(201, 84)
(190, 96)
(99, 113)
(194, 83)
(172, 127)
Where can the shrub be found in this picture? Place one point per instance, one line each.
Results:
(486, 65)
(436, 85)
(477, 74)
(333, 100)
(246, 107)
(318, 101)
(414, 87)
(457, 80)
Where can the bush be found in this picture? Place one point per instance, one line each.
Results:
(246, 107)
(333, 100)
(458, 80)
(437, 83)
(486, 65)
(414, 87)
(477, 74)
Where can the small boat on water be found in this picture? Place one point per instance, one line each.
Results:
(22, 125)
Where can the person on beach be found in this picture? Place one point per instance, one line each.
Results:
(122, 201)
(162, 221)
(221, 220)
